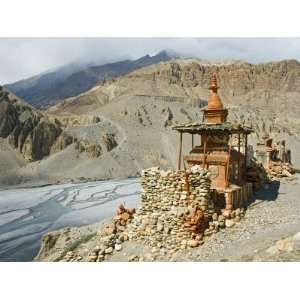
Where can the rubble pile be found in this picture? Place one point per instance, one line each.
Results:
(112, 235)
(175, 209)
(278, 169)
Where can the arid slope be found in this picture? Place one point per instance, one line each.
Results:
(132, 116)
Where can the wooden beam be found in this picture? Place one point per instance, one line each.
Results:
(180, 152)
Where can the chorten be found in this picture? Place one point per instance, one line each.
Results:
(213, 150)
(215, 113)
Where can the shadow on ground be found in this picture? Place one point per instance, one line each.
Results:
(268, 192)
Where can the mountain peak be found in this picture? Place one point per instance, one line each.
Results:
(168, 54)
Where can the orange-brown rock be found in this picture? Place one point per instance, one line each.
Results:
(196, 223)
(124, 215)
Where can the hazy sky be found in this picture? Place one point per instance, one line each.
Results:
(24, 57)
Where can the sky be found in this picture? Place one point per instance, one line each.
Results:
(25, 57)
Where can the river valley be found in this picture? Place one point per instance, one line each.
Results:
(26, 214)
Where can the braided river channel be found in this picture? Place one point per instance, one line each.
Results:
(26, 214)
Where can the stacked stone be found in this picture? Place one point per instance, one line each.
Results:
(71, 257)
(110, 237)
(169, 199)
(200, 188)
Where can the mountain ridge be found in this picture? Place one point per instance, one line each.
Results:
(46, 89)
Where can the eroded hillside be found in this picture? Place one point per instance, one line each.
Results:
(124, 125)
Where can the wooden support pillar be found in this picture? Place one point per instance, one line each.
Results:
(239, 157)
(192, 140)
(229, 201)
(246, 149)
(228, 167)
(180, 152)
(204, 149)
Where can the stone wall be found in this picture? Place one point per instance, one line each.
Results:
(170, 217)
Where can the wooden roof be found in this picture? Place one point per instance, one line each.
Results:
(196, 128)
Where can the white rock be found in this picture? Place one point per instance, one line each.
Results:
(160, 227)
(162, 252)
(183, 242)
(296, 237)
(285, 245)
(229, 223)
(118, 247)
(272, 250)
(226, 213)
(193, 243)
(196, 169)
(109, 250)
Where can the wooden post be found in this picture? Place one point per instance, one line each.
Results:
(192, 140)
(239, 157)
(204, 150)
(180, 152)
(246, 149)
(229, 201)
(228, 166)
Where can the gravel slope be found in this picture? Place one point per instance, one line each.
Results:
(275, 214)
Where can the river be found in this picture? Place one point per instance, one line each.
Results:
(26, 214)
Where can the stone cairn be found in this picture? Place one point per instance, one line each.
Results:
(112, 235)
(176, 207)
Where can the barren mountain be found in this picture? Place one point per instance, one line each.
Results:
(271, 87)
(124, 125)
(48, 88)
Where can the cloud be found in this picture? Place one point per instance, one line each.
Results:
(24, 57)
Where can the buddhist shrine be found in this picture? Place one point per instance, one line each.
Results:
(212, 148)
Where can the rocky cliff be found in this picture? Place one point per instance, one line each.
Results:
(30, 138)
(240, 83)
(30, 132)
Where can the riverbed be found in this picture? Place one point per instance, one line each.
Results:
(26, 214)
